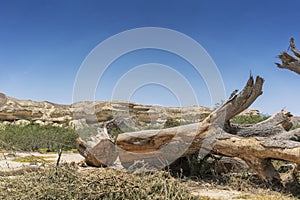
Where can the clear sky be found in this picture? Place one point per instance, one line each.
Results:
(44, 42)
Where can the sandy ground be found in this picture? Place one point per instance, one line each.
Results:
(7, 163)
(218, 193)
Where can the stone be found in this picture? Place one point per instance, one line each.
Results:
(2, 99)
(78, 124)
(39, 122)
(22, 122)
(249, 112)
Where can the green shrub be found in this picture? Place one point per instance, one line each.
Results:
(295, 127)
(33, 137)
(171, 123)
(114, 131)
(249, 119)
(87, 131)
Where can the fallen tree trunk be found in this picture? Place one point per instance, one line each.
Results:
(150, 140)
(277, 123)
(159, 148)
(257, 152)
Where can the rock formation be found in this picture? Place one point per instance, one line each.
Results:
(24, 111)
(81, 114)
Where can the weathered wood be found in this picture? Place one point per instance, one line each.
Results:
(294, 48)
(277, 123)
(257, 152)
(238, 103)
(98, 150)
(103, 154)
(288, 61)
(151, 140)
(290, 135)
(159, 148)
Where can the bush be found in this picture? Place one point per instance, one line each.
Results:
(248, 119)
(86, 132)
(171, 123)
(32, 137)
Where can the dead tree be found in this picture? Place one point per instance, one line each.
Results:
(256, 144)
(288, 61)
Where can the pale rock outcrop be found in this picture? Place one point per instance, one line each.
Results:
(22, 122)
(82, 114)
(78, 123)
(250, 112)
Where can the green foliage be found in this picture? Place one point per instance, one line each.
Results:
(87, 132)
(115, 131)
(171, 123)
(32, 137)
(295, 127)
(198, 167)
(192, 164)
(248, 119)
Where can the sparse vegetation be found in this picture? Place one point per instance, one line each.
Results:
(295, 126)
(32, 137)
(171, 123)
(87, 132)
(115, 131)
(248, 119)
(68, 183)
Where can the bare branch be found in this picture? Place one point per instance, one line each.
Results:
(294, 48)
(288, 61)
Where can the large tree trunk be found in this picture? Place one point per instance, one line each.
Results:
(158, 148)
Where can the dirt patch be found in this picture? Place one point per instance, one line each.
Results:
(217, 193)
(15, 160)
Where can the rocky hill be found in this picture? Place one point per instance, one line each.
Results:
(80, 114)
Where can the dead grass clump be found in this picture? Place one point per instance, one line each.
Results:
(34, 159)
(68, 183)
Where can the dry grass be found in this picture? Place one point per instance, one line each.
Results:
(257, 189)
(34, 159)
(274, 196)
(68, 183)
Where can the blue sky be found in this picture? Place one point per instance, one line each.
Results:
(43, 44)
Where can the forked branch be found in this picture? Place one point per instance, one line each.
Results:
(288, 61)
